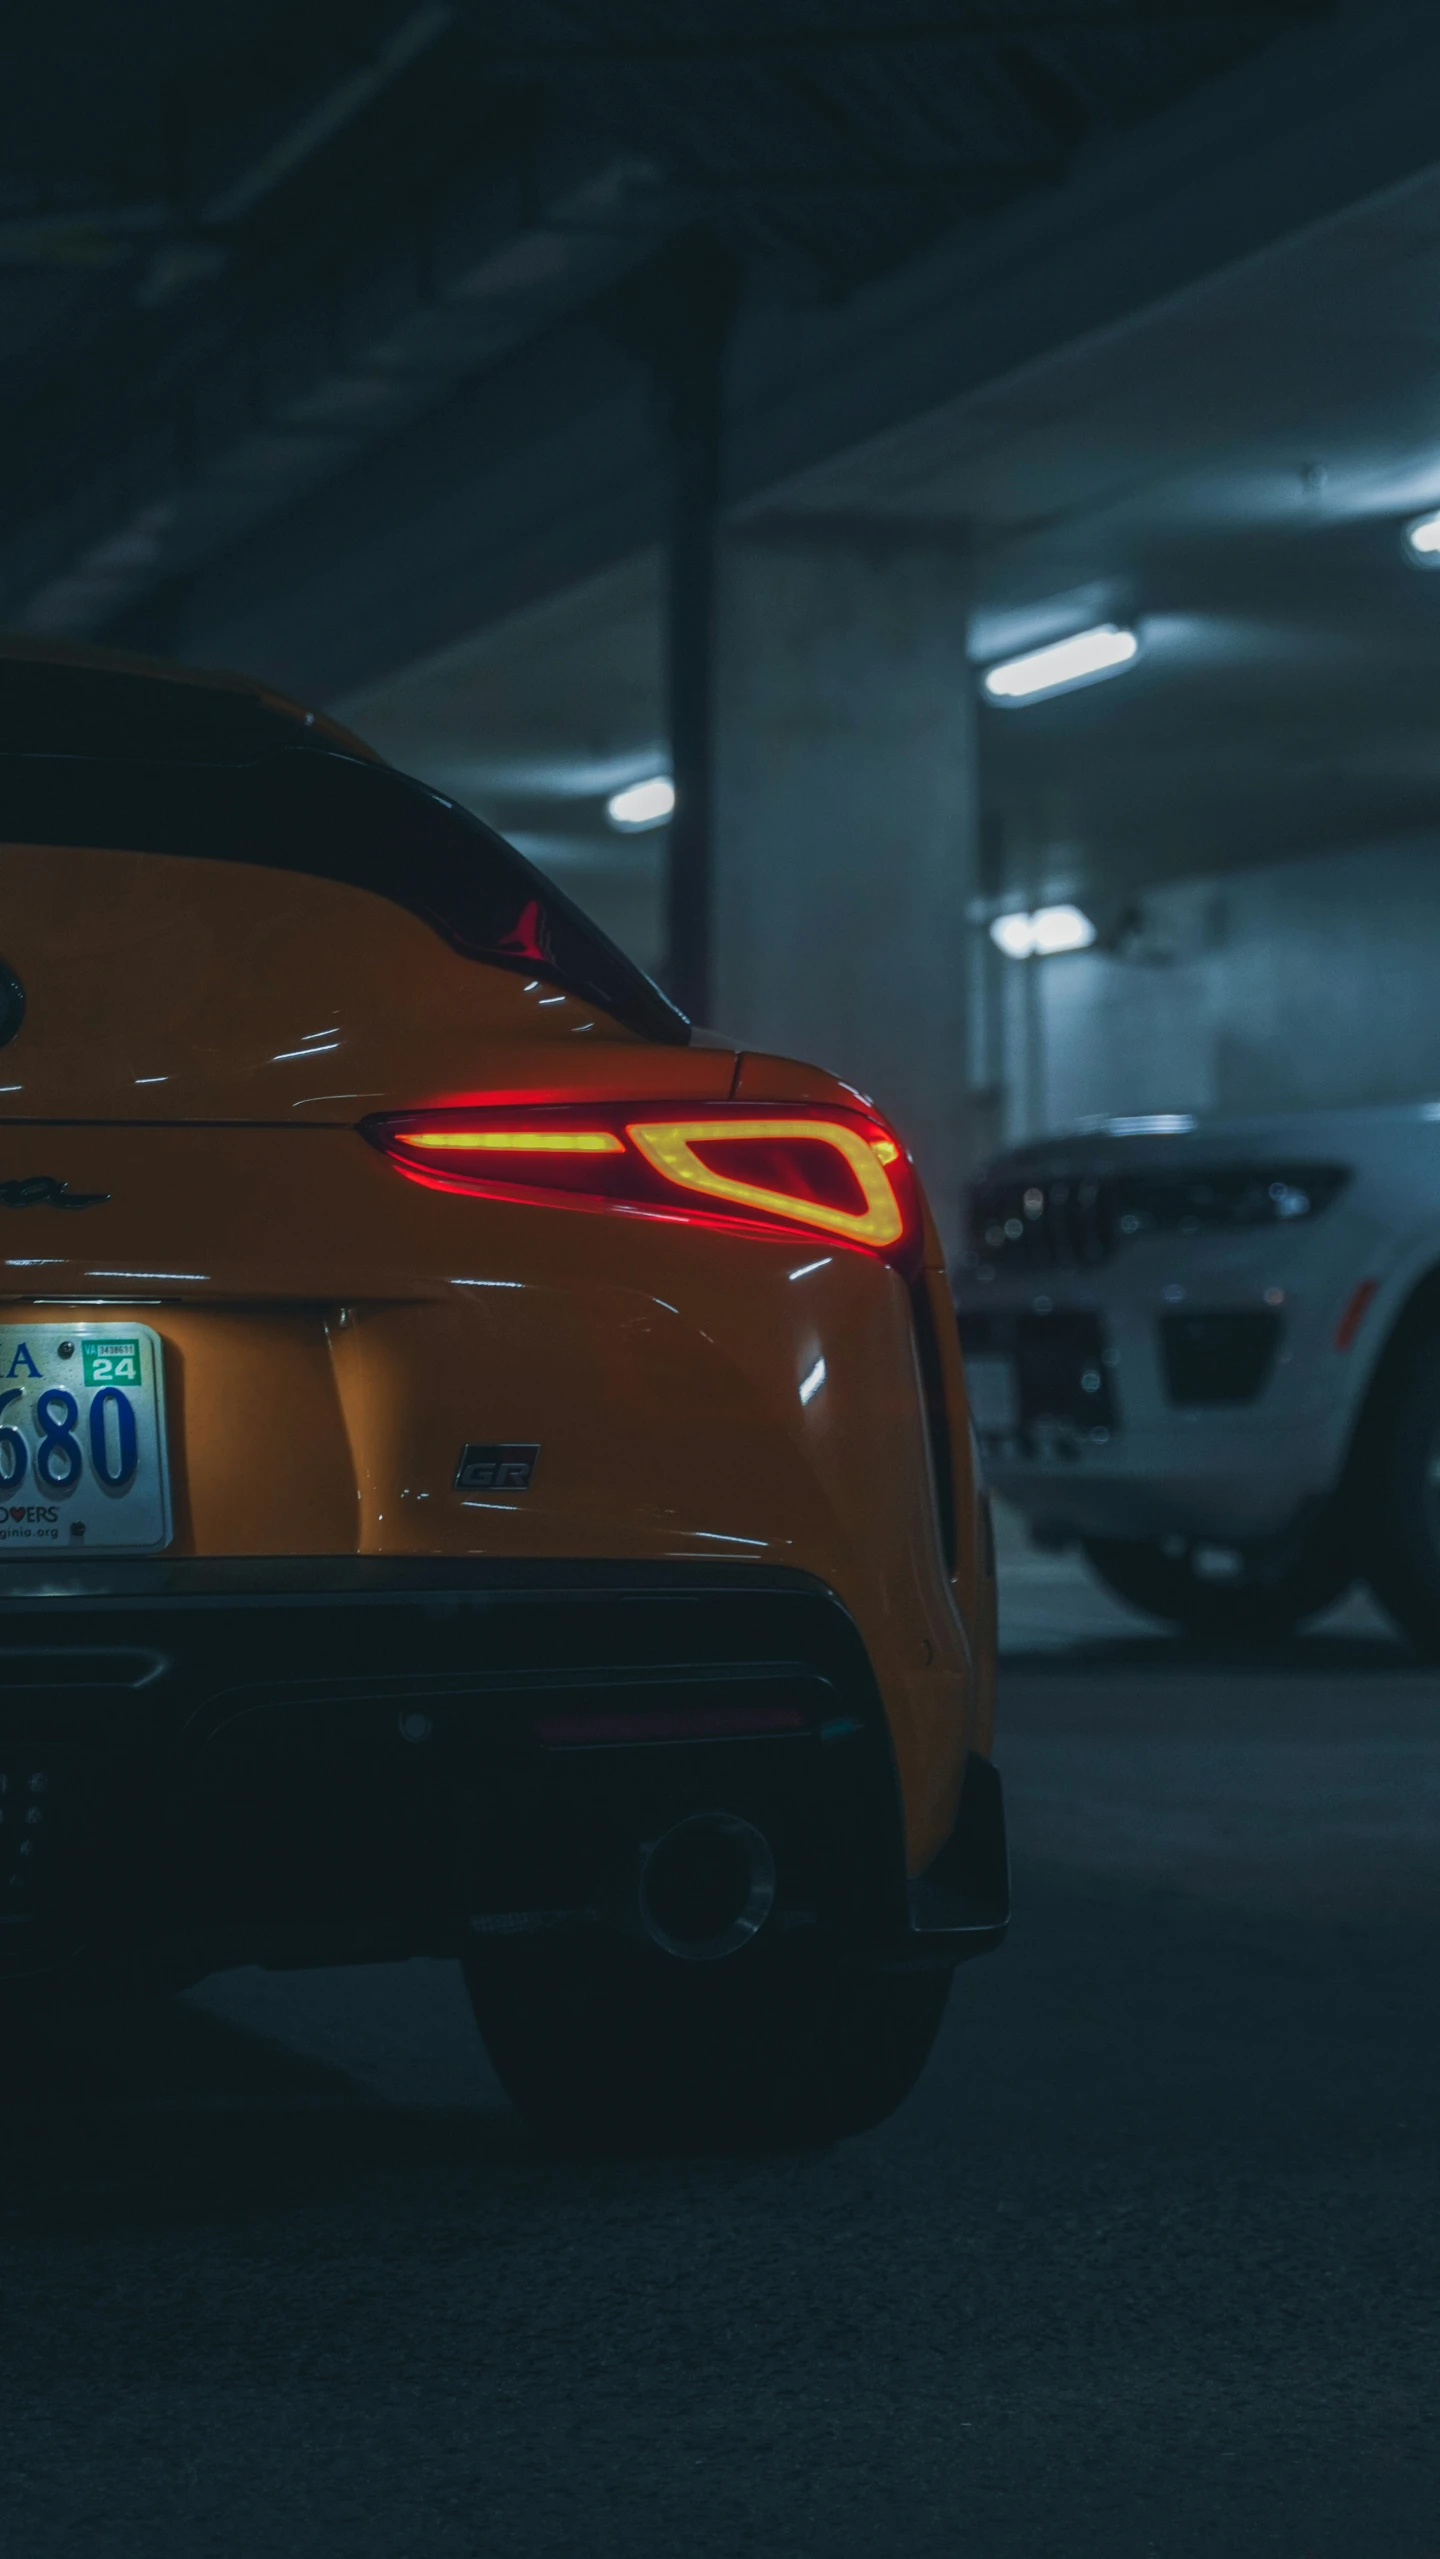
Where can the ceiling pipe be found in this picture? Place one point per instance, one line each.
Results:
(330, 115)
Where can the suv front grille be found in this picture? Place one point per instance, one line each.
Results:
(1043, 1224)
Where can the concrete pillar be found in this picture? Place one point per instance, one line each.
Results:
(846, 822)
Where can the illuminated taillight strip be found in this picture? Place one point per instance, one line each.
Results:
(520, 1141)
(669, 1145)
(605, 1156)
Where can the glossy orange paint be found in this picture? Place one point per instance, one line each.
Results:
(201, 1042)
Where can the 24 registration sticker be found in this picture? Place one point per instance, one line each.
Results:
(82, 1438)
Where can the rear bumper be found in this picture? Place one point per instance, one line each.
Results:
(321, 1761)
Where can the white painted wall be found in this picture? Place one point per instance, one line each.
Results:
(1303, 983)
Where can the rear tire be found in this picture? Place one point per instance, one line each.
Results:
(1398, 1489)
(607, 2045)
(1257, 1607)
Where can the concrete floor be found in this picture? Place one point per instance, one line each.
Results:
(1149, 2264)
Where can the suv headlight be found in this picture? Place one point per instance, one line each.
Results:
(1215, 1198)
(1057, 1221)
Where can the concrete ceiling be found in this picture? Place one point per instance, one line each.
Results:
(1232, 471)
(245, 248)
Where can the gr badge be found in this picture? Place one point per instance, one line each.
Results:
(496, 1468)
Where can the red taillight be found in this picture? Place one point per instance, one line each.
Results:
(832, 1173)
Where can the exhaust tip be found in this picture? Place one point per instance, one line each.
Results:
(706, 1886)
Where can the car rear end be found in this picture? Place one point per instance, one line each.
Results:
(462, 1433)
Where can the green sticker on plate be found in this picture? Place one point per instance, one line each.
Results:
(111, 1363)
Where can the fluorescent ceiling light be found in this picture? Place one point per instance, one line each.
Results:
(1038, 936)
(641, 804)
(1082, 659)
(1148, 1124)
(1422, 541)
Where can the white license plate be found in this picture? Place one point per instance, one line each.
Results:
(82, 1438)
(994, 1392)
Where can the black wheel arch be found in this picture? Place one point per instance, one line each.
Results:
(1416, 1323)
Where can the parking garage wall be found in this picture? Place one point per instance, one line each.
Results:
(1300, 984)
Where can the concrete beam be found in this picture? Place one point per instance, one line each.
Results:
(546, 469)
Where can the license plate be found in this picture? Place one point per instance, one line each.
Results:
(82, 1438)
(994, 1392)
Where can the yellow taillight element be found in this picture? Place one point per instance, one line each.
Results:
(669, 1145)
(520, 1141)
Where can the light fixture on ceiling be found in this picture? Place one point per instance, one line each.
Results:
(641, 804)
(1422, 541)
(1042, 933)
(1084, 658)
(1145, 1124)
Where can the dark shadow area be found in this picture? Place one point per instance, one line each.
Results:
(153, 2114)
(1148, 2265)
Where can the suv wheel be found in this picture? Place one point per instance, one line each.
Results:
(1262, 1603)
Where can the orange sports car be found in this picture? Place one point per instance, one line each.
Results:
(484, 1469)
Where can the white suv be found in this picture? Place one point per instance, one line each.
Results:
(1208, 1350)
